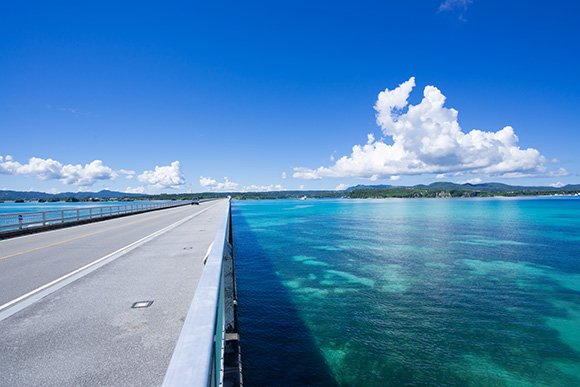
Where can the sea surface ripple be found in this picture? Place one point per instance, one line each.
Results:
(409, 292)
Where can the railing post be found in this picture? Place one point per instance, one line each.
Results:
(78, 215)
(44, 218)
(62, 216)
(20, 221)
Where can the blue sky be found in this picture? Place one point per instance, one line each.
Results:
(144, 96)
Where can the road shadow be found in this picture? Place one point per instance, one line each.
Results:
(277, 347)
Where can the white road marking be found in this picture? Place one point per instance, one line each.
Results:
(207, 253)
(11, 307)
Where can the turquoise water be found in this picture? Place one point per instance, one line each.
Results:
(11, 208)
(394, 292)
(54, 212)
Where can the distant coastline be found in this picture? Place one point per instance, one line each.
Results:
(434, 190)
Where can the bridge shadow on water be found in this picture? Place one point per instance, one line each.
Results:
(277, 347)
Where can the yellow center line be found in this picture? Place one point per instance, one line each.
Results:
(76, 238)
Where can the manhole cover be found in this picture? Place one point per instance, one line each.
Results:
(141, 304)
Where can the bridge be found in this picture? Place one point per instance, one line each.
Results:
(146, 299)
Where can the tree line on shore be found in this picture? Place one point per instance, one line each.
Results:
(434, 190)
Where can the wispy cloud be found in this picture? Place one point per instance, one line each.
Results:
(263, 188)
(128, 173)
(71, 110)
(227, 185)
(427, 139)
(459, 6)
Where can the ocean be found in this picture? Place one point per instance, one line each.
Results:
(17, 208)
(56, 210)
(409, 292)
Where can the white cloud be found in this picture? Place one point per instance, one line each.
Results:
(227, 185)
(341, 187)
(558, 184)
(311, 174)
(137, 190)
(128, 173)
(213, 185)
(168, 176)
(475, 180)
(458, 6)
(559, 172)
(48, 169)
(301, 186)
(86, 175)
(427, 139)
(284, 175)
(395, 178)
(263, 188)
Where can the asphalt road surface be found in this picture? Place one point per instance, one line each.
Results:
(86, 332)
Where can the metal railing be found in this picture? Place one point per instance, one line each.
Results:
(25, 220)
(198, 358)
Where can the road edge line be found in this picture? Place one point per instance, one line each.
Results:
(11, 307)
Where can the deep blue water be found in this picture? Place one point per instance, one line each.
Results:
(394, 292)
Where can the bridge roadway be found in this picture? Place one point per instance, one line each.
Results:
(85, 332)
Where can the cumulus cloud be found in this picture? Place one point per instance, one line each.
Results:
(86, 175)
(284, 175)
(49, 169)
(168, 176)
(213, 185)
(341, 187)
(427, 139)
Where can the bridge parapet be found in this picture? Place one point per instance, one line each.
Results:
(208, 351)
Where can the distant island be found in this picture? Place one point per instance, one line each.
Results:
(434, 190)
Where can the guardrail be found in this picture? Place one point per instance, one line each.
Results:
(198, 358)
(28, 220)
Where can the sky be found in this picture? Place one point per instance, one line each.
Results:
(281, 95)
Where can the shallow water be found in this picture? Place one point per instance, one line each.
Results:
(20, 208)
(409, 292)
